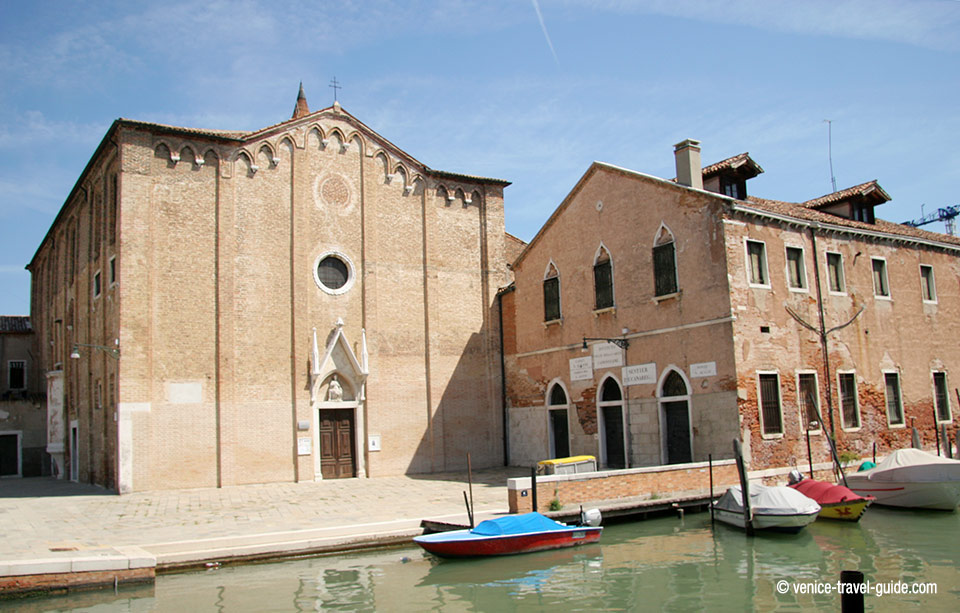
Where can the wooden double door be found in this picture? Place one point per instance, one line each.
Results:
(337, 444)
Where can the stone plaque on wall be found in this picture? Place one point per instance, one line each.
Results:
(581, 369)
(703, 369)
(607, 355)
(639, 374)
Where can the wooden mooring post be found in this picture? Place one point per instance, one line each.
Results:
(851, 598)
(533, 486)
(710, 460)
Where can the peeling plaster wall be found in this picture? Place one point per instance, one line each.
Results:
(624, 211)
(902, 334)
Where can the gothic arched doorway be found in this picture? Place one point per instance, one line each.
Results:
(610, 417)
(675, 435)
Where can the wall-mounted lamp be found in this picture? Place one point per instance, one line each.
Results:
(113, 352)
(619, 342)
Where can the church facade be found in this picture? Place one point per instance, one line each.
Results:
(302, 302)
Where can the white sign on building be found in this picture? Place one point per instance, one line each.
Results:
(607, 355)
(581, 369)
(639, 374)
(703, 369)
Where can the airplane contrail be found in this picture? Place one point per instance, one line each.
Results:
(543, 26)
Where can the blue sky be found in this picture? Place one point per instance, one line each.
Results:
(489, 88)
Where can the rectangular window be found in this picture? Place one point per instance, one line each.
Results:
(603, 283)
(17, 374)
(880, 287)
(835, 273)
(849, 409)
(942, 397)
(665, 269)
(771, 418)
(113, 270)
(96, 284)
(928, 289)
(551, 299)
(796, 274)
(98, 395)
(757, 263)
(894, 404)
(807, 397)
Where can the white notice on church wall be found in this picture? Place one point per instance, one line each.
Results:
(639, 374)
(703, 369)
(304, 445)
(607, 355)
(581, 369)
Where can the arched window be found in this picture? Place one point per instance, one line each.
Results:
(551, 293)
(674, 385)
(664, 263)
(557, 422)
(603, 279)
(558, 396)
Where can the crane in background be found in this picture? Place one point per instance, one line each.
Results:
(946, 214)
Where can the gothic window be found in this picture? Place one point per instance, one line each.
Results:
(674, 385)
(551, 293)
(603, 279)
(558, 396)
(664, 263)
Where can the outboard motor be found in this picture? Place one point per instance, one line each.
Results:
(590, 517)
(795, 477)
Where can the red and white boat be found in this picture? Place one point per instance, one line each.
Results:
(911, 478)
(509, 535)
(836, 501)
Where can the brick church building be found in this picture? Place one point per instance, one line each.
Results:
(301, 302)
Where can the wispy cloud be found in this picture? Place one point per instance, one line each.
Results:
(923, 23)
(546, 34)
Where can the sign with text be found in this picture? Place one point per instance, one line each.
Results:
(703, 369)
(607, 355)
(304, 445)
(581, 369)
(639, 374)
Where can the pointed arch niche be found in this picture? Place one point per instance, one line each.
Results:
(558, 419)
(337, 384)
(676, 435)
(551, 293)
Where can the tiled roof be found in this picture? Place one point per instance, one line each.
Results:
(732, 163)
(15, 324)
(807, 213)
(870, 188)
(231, 134)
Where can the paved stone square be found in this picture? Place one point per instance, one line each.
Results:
(55, 521)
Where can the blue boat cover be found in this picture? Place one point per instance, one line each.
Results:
(518, 524)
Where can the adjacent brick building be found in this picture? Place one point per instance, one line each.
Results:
(22, 406)
(708, 311)
(300, 302)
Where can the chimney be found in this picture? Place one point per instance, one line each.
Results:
(689, 172)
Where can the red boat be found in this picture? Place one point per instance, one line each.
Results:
(508, 535)
(836, 501)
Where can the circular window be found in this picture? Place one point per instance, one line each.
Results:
(333, 273)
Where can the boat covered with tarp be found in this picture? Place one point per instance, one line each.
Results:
(508, 535)
(911, 478)
(836, 501)
(771, 508)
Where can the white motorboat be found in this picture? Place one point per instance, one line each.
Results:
(911, 478)
(773, 508)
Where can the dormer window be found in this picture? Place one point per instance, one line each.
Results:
(729, 177)
(733, 188)
(863, 212)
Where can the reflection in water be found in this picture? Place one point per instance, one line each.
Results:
(662, 564)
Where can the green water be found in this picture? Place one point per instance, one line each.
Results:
(664, 564)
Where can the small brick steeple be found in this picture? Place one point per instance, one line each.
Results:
(301, 110)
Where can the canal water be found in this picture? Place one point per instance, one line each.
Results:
(663, 564)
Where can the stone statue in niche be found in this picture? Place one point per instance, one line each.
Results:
(334, 391)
